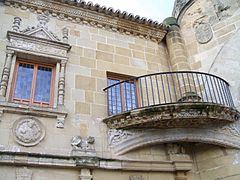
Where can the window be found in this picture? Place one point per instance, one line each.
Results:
(122, 96)
(33, 84)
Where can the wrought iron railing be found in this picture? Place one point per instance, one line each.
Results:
(167, 88)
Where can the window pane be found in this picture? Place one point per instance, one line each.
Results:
(24, 81)
(129, 96)
(114, 97)
(43, 84)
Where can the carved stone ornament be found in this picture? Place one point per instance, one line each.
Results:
(83, 144)
(203, 33)
(179, 5)
(173, 116)
(28, 131)
(23, 174)
(97, 16)
(135, 177)
(115, 136)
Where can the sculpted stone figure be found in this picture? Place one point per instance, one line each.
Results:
(83, 144)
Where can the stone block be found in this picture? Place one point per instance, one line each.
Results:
(136, 47)
(85, 83)
(123, 51)
(150, 50)
(152, 58)
(117, 42)
(78, 95)
(89, 96)
(105, 47)
(104, 56)
(121, 59)
(225, 30)
(98, 73)
(98, 38)
(138, 63)
(82, 108)
(89, 53)
(138, 54)
(86, 62)
(100, 98)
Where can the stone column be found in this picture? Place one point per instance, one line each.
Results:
(61, 83)
(176, 46)
(6, 73)
(85, 174)
(183, 83)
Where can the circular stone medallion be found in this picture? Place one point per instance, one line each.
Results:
(28, 131)
(204, 33)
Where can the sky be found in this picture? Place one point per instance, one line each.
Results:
(156, 10)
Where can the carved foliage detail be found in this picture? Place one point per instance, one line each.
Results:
(28, 131)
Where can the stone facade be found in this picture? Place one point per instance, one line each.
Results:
(85, 42)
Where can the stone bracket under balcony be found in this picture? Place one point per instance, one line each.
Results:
(179, 115)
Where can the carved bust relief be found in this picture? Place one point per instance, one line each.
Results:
(28, 131)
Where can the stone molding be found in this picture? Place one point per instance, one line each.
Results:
(181, 115)
(95, 16)
(226, 136)
(28, 131)
(22, 109)
(24, 43)
(47, 160)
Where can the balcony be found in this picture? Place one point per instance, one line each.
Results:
(182, 99)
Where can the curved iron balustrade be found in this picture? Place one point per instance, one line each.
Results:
(167, 88)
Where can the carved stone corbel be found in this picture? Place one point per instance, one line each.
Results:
(6, 73)
(85, 174)
(60, 121)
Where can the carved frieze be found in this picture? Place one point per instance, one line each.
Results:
(28, 131)
(98, 17)
(174, 116)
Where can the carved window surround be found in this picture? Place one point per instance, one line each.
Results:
(40, 45)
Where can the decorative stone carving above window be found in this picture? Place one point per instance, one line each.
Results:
(38, 44)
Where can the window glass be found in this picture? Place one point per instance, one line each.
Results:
(24, 81)
(121, 97)
(33, 84)
(43, 84)
(114, 97)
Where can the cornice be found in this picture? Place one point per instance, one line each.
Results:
(94, 15)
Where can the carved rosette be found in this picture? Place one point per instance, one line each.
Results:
(28, 131)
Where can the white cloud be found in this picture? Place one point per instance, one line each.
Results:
(152, 9)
